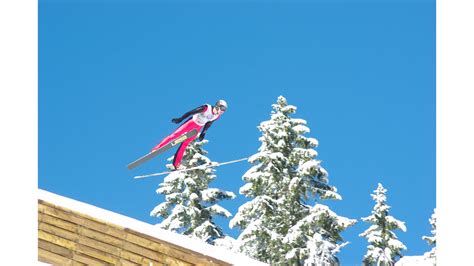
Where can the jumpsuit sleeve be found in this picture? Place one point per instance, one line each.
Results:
(192, 112)
(206, 127)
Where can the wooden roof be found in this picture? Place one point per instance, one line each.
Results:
(75, 233)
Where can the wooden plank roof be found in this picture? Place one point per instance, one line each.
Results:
(75, 233)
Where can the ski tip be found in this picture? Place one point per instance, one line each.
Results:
(132, 165)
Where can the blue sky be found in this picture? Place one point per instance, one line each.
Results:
(112, 75)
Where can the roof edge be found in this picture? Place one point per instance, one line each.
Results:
(195, 245)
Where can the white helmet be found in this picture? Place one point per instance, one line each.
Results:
(221, 104)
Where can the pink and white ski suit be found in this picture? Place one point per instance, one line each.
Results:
(202, 116)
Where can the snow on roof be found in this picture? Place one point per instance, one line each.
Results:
(148, 229)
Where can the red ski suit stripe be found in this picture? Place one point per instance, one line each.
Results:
(186, 127)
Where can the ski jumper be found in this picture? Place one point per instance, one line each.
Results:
(201, 117)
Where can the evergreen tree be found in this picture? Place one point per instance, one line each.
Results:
(432, 239)
(384, 247)
(314, 239)
(190, 204)
(278, 226)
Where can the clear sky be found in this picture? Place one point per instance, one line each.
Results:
(362, 73)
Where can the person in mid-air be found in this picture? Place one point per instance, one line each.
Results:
(202, 118)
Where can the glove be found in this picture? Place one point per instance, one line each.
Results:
(176, 120)
(201, 136)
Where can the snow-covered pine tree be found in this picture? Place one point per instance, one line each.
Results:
(278, 226)
(384, 247)
(315, 240)
(431, 239)
(190, 204)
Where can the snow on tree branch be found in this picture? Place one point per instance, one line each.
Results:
(277, 225)
(384, 248)
(190, 204)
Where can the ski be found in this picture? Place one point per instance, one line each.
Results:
(162, 149)
(203, 166)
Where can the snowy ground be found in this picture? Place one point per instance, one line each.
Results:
(415, 261)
